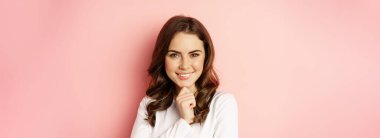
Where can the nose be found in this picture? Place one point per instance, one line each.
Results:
(185, 63)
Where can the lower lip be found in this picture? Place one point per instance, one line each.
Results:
(184, 77)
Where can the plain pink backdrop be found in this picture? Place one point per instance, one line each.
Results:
(298, 69)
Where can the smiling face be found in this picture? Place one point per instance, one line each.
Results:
(184, 60)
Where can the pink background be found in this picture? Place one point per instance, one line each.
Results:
(299, 69)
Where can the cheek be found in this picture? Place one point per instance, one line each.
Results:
(170, 66)
(198, 64)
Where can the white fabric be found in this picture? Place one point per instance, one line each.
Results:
(221, 122)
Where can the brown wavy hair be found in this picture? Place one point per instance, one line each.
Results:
(161, 89)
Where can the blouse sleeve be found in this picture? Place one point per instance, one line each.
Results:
(141, 128)
(226, 117)
(179, 130)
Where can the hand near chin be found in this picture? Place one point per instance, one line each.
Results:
(185, 102)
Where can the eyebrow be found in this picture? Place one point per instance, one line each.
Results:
(194, 51)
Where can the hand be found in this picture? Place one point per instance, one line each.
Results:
(185, 102)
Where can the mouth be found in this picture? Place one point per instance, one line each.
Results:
(184, 76)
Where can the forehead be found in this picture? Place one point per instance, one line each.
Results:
(185, 42)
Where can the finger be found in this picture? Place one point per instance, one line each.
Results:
(180, 98)
(184, 94)
(188, 102)
(193, 103)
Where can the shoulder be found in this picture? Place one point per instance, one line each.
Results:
(221, 96)
(145, 101)
(223, 99)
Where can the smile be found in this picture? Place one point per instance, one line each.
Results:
(184, 76)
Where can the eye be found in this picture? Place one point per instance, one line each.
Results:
(194, 54)
(173, 55)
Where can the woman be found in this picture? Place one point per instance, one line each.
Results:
(181, 100)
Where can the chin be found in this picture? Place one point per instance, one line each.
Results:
(185, 84)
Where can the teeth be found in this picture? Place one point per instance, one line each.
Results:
(185, 75)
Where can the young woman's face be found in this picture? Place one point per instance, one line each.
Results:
(184, 60)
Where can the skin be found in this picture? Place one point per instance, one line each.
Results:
(184, 65)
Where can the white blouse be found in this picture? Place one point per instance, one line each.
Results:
(221, 121)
